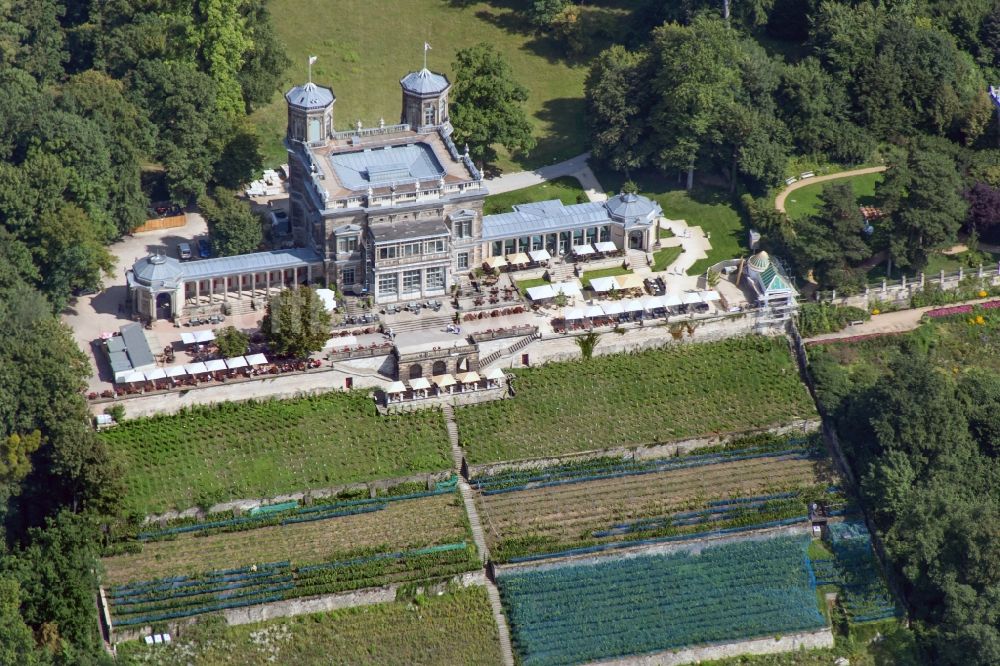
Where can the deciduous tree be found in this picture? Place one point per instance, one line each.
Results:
(296, 322)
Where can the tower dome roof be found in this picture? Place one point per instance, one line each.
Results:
(759, 262)
(631, 206)
(310, 96)
(424, 82)
(157, 270)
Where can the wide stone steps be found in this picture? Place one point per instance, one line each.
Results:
(490, 359)
(420, 323)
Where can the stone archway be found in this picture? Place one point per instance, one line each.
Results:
(635, 240)
(440, 368)
(416, 371)
(163, 306)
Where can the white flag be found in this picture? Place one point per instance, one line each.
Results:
(427, 47)
(312, 60)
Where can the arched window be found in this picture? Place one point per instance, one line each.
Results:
(440, 368)
(416, 371)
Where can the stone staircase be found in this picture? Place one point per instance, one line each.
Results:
(490, 359)
(561, 271)
(421, 322)
(638, 262)
(506, 649)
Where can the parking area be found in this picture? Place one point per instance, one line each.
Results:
(89, 316)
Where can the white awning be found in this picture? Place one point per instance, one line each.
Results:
(215, 365)
(204, 336)
(256, 359)
(539, 255)
(495, 373)
(613, 307)
(606, 246)
(574, 313)
(518, 259)
(419, 384)
(582, 250)
(329, 298)
(187, 338)
(155, 373)
(496, 262)
(670, 300)
(569, 289)
(135, 378)
(196, 368)
(594, 311)
(690, 298)
(541, 292)
(709, 296)
(468, 377)
(396, 387)
(176, 371)
(651, 303)
(633, 305)
(603, 284)
(236, 362)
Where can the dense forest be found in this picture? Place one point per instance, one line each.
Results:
(897, 82)
(95, 96)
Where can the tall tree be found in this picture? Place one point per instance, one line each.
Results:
(234, 228)
(617, 93)
(296, 322)
(487, 104)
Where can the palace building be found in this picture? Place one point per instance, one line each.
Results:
(394, 212)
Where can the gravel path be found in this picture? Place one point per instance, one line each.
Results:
(779, 201)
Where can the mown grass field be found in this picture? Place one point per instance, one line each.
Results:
(629, 400)
(710, 208)
(246, 450)
(805, 201)
(455, 628)
(402, 525)
(565, 188)
(365, 46)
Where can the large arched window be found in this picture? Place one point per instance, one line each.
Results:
(440, 368)
(416, 371)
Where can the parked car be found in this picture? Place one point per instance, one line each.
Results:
(204, 248)
(184, 251)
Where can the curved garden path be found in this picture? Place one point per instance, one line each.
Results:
(575, 167)
(779, 201)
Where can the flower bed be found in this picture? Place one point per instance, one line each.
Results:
(961, 309)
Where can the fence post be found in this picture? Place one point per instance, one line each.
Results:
(904, 282)
(884, 286)
(961, 273)
(980, 275)
(942, 278)
(834, 296)
(922, 279)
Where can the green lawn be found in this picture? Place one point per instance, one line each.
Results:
(365, 46)
(711, 209)
(566, 189)
(455, 628)
(525, 285)
(604, 272)
(663, 258)
(661, 395)
(244, 450)
(804, 202)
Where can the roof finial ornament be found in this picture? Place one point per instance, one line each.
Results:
(381, 123)
(427, 47)
(359, 125)
(312, 59)
(466, 150)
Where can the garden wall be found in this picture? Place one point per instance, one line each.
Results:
(643, 452)
(899, 292)
(810, 640)
(303, 606)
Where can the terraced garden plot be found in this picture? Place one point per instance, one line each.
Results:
(864, 594)
(456, 628)
(687, 495)
(615, 607)
(630, 400)
(401, 525)
(240, 450)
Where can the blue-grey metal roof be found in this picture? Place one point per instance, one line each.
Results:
(158, 271)
(424, 82)
(383, 166)
(310, 96)
(629, 207)
(136, 346)
(249, 263)
(543, 217)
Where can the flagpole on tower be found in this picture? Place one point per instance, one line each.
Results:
(427, 47)
(312, 59)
